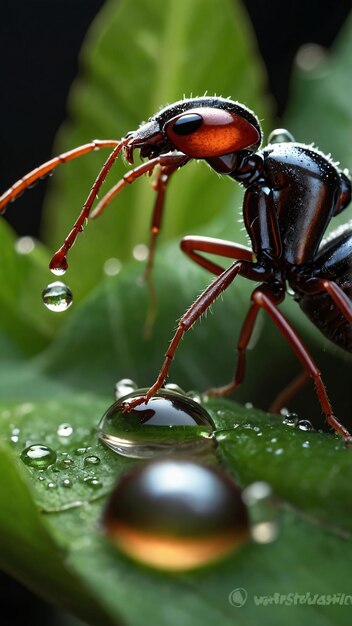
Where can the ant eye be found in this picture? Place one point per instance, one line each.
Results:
(210, 132)
(187, 124)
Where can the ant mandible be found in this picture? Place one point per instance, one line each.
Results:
(292, 191)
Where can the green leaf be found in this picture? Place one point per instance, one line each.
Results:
(139, 56)
(108, 580)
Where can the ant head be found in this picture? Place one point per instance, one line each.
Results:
(199, 128)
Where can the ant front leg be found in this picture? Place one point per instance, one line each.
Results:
(199, 306)
(193, 245)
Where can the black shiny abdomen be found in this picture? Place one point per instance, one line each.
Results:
(305, 187)
(334, 260)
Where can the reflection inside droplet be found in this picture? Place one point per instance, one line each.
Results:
(57, 297)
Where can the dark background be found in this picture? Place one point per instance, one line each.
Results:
(34, 87)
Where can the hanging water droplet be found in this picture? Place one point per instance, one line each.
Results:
(64, 430)
(92, 460)
(305, 425)
(57, 297)
(38, 456)
(280, 135)
(169, 422)
(58, 264)
(263, 512)
(176, 514)
(124, 387)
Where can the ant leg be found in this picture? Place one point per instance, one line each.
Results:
(199, 306)
(285, 396)
(159, 185)
(339, 297)
(192, 245)
(39, 172)
(263, 297)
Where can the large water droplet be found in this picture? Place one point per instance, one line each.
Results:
(38, 456)
(92, 460)
(169, 422)
(176, 514)
(57, 297)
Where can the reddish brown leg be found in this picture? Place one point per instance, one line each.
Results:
(339, 297)
(264, 299)
(199, 306)
(285, 396)
(59, 260)
(29, 179)
(159, 185)
(192, 245)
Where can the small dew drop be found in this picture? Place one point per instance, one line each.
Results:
(279, 451)
(64, 430)
(112, 267)
(124, 387)
(67, 483)
(249, 405)
(175, 388)
(305, 444)
(195, 396)
(280, 135)
(51, 485)
(291, 419)
(310, 56)
(168, 423)
(57, 297)
(305, 425)
(140, 252)
(80, 451)
(38, 456)
(65, 464)
(263, 512)
(24, 245)
(93, 482)
(92, 460)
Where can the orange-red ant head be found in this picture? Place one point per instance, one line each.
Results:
(200, 128)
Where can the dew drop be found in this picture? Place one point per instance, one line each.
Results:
(263, 513)
(67, 483)
(92, 460)
(174, 387)
(38, 456)
(112, 267)
(124, 387)
(168, 423)
(305, 425)
(140, 252)
(290, 419)
(65, 464)
(195, 395)
(305, 444)
(64, 430)
(25, 245)
(176, 514)
(51, 485)
(93, 482)
(280, 135)
(80, 451)
(57, 297)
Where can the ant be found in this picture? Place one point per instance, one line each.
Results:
(292, 191)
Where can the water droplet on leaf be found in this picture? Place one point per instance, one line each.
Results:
(38, 456)
(64, 430)
(263, 512)
(168, 423)
(176, 514)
